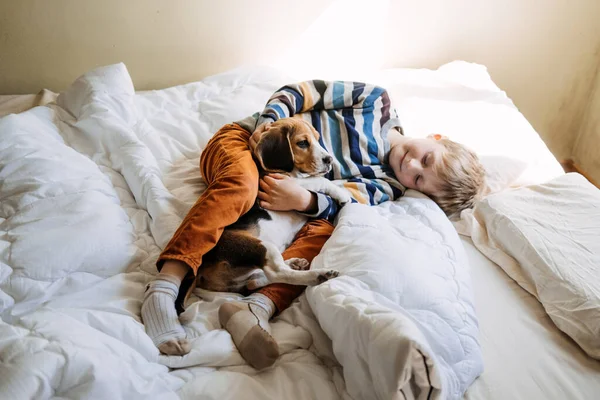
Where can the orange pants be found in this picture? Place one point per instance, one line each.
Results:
(232, 178)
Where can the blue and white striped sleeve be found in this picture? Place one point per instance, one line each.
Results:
(318, 95)
(327, 208)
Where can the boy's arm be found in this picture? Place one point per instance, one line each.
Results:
(374, 191)
(278, 192)
(325, 207)
(365, 191)
(320, 95)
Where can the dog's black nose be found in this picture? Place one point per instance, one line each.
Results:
(327, 160)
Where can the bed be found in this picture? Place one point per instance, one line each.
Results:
(88, 202)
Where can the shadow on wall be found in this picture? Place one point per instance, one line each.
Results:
(586, 151)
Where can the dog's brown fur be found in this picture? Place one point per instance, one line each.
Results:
(237, 254)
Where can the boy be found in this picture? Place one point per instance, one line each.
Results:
(360, 128)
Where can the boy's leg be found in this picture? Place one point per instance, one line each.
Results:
(247, 320)
(232, 178)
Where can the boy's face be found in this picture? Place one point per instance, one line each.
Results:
(412, 163)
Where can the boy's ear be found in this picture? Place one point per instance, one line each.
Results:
(436, 136)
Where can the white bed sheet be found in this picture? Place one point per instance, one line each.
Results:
(525, 355)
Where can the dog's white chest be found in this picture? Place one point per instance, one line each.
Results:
(281, 229)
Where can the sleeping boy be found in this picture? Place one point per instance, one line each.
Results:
(374, 160)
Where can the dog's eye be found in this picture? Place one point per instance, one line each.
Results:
(303, 144)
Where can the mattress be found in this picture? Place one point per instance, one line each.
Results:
(524, 355)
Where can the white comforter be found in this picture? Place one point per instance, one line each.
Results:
(93, 187)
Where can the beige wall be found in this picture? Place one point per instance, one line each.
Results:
(544, 53)
(586, 151)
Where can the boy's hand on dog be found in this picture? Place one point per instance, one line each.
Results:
(281, 193)
(256, 135)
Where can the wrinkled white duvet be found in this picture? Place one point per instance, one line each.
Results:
(92, 188)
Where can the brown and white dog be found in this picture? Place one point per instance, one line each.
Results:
(248, 255)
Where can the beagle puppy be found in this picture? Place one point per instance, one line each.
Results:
(248, 254)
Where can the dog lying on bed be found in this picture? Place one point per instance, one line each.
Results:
(248, 254)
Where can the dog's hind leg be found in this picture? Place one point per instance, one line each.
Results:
(278, 271)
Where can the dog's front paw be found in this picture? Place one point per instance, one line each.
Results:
(327, 275)
(299, 264)
(343, 197)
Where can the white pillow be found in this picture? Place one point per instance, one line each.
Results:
(501, 172)
(547, 238)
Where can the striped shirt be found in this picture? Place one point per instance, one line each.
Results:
(353, 120)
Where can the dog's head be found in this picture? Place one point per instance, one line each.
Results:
(292, 146)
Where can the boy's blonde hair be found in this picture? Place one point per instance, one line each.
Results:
(463, 178)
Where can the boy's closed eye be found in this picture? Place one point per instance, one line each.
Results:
(425, 162)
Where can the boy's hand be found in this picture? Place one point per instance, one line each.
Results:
(256, 135)
(281, 193)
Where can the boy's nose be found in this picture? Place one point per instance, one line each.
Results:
(413, 164)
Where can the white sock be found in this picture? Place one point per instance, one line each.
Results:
(158, 310)
(263, 302)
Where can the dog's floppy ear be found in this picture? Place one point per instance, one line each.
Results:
(274, 152)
